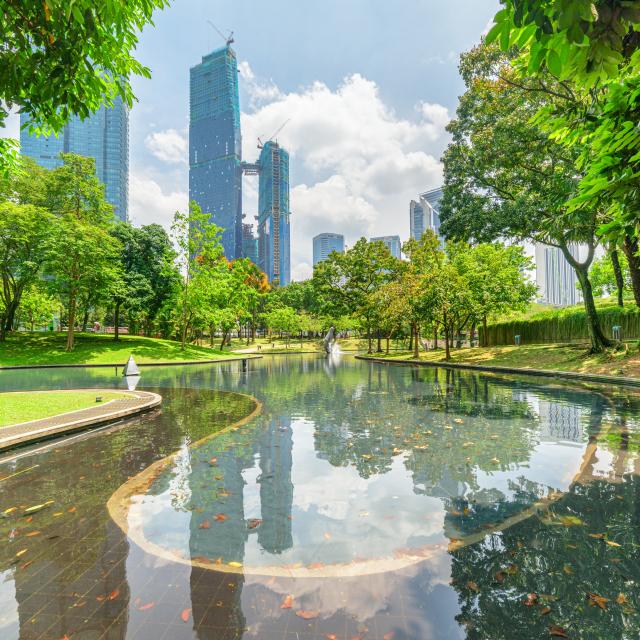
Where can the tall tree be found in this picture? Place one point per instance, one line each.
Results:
(592, 46)
(199, 252)
(85, 254)
(345, 281)
(26, 233)
(62, 58)
(504, 177)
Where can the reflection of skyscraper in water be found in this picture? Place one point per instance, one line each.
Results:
(559, 420)
(276, 488)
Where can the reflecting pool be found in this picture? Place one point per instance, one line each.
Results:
(313, 498)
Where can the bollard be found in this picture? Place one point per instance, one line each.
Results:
(517, 340)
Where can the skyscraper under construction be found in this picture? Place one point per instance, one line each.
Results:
(215, 145)
(273, 214)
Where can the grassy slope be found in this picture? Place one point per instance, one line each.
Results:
(40, 348)
(22, 407)
(542, 356)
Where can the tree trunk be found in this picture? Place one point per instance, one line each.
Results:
(71, 321)
(388, 345)
(411, 339)
(472, 334)
(211, 332)
(224, 339)
(485, 332)
(369, 340)
(85, 319)
(435, 337)
(617, 270)
(630, 248)
(379, 350)
(447, 347)
(116, 322)
(598, 340)
(416, 332)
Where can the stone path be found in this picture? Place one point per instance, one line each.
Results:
(133, 403)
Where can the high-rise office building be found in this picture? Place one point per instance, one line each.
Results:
(555, 277)
(425, 214)
(249, 243)
(326, 243)
(273, 214)
(392, 243)
(103, 136)
(215, 154)
(417, 219)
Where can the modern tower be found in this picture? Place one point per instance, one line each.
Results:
(326, 243)
(103, 136)
(273, 214)
(215, 153)
(556, 279)
(425, 214)
(392, 243)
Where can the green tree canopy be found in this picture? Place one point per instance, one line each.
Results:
(62, 58)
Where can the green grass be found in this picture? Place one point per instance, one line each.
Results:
(554, 357)
(41, 348)
(23, 407)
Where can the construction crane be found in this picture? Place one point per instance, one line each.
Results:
(228, 38)
(278, 130)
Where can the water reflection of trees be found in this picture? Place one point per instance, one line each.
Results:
(540, 572)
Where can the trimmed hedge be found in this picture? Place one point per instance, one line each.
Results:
(565, 325)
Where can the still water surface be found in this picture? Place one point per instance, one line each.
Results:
(361, 502)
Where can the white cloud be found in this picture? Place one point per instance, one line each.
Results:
(355, 163)
(148, 203)
(170, 146)
(260, 91)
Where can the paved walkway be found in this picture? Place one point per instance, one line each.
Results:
(133, 403)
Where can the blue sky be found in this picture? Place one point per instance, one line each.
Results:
(368, 86)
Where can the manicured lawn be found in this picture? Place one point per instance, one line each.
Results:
(23, 407)
(41, 348)
(542, 356)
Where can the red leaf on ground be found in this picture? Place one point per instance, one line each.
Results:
(114, 594)
(331, 636)
(287, 603)
(213, 462)
(185, 615)
(71, 510)
(147, 606)
(220, 517)
(557, 632)
(307, 615)
(204, 525)
(254, 523)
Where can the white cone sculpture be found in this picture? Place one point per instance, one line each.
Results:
(131, 368)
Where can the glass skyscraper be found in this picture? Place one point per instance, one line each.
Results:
(392, 243)
(215, 154)
(324, 244)
(103, 136)
(273, 214)
(425, 214)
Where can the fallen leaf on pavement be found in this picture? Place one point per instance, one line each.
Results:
(307, 615)
(287, 603)
(220, 517)
(184, 616)
(146, 607)
(204, 525)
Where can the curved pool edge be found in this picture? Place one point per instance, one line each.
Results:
(543, 373)
(63, 424)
